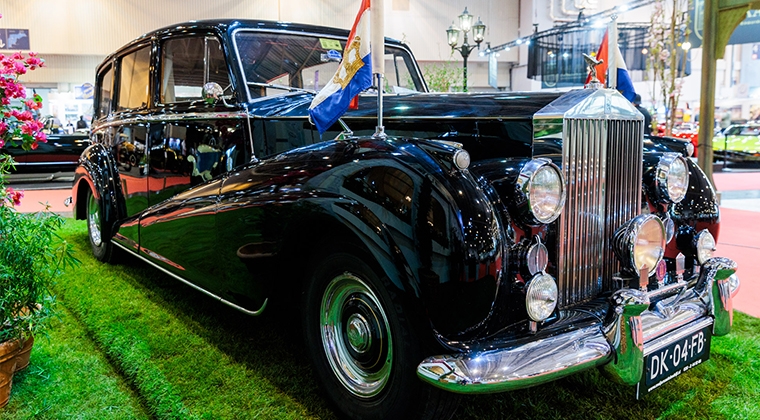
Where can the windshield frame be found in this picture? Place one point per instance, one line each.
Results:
(415, 72)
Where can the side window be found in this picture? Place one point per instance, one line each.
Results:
(134, 70)
(282, 135)
(189, 63)
(105, 95)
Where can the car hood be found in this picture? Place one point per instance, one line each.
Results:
(506, 105)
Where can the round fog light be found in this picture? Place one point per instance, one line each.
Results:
(541, 296)
(705, 246)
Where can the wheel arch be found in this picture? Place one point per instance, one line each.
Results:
(97, 172)
(355, 225)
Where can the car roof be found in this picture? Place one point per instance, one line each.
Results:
(229, 25)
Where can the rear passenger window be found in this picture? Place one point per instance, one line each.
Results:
(134, 69)
(105, 83)
(189, 63)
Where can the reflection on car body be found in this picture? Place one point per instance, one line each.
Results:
(491, 242)
(60, 153)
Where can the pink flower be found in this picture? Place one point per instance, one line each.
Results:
(33, 62)
(34, 145)
(19, 67)
(2, 143)
(40, 136)
(14, 196)
(22, 116)
(31, 127)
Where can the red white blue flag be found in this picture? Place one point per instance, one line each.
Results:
(354, 75)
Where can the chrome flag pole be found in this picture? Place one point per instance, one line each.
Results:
(612, 66)
(377, 51)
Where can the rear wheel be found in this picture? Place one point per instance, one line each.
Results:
(102, 248)
(362, 348)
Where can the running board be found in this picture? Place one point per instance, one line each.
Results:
(194, 286)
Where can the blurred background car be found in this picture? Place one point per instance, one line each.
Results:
(738, 143)
(60, 153)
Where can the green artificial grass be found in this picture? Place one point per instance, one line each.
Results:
(68, 377)
(133, 342)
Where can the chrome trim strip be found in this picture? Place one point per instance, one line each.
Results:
(226, 302)
(189, 116)
(51, 163)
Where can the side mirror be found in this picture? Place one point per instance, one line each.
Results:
(212, 92)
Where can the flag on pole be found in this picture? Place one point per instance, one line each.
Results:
(623, 80)
(353, 76)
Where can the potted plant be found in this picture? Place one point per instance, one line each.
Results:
(31, 254)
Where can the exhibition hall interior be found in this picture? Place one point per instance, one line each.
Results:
(379, 209)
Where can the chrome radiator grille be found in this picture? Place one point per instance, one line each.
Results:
(602, 164)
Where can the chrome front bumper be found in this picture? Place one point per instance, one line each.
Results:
(618, 344)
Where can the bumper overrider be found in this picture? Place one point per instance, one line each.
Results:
(634, 327)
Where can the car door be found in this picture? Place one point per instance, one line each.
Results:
(125, 99)
(192, 142)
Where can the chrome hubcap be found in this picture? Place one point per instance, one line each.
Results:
(358, 333)
(356, 336)
(93, 219)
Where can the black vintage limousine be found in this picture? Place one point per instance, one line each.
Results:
(490, 242)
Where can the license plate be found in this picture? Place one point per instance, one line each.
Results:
(666, 363)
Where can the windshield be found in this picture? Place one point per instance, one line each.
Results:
(274, 64)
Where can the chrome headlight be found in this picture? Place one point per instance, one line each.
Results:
(641, 243)
(540, 296)
(543, 189)
(672, 179)
(704, 243)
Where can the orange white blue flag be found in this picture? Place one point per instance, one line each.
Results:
(354, 75)
(624, 82)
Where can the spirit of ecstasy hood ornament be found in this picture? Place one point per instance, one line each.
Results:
(592, 63)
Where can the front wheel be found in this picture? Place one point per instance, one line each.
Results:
(102, 248)
(362, 347)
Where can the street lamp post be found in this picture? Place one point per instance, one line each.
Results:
(465, 26)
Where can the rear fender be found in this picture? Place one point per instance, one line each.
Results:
(97, 172)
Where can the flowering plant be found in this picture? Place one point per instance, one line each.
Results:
(31, 254)
(667, 54)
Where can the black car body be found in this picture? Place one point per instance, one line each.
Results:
(490, 242)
